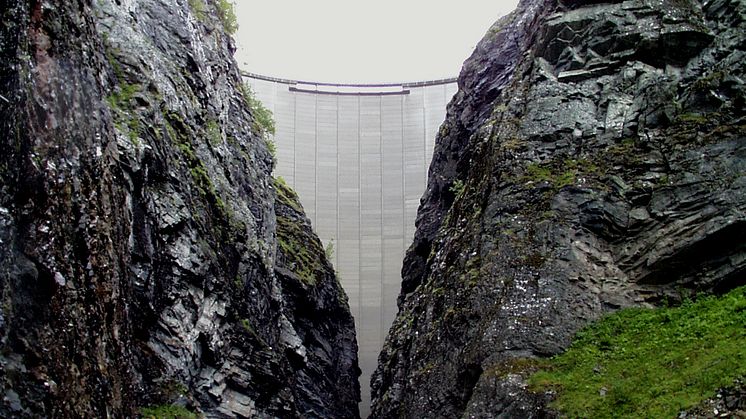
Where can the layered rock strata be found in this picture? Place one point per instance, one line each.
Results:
(593, 159)
(139, 227)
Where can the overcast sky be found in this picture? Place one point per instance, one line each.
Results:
(353, 41)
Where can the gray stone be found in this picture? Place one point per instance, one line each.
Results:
(608, 185)
(139, 228)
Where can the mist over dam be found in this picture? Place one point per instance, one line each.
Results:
(358, 156)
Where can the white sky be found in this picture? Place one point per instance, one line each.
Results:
(353, 41)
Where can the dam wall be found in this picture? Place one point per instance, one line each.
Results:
(358, 156)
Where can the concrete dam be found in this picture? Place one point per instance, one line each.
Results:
(358, 156)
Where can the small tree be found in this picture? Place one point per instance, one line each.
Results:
(329, 250)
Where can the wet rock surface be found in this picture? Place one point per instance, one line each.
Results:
(139, 260)
(320, 340)
(593, 159)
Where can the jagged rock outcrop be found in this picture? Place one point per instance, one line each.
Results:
(593, 158)
(323, 352)
(138, 231)
(729, 402)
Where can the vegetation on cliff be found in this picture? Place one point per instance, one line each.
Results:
(296, 241)
(168, 412)
(224, 11)
(651, 362)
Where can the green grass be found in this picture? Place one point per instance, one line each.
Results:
(122, 108)
(167, 411)
(650, 362)
(122, 97)
(560, 173)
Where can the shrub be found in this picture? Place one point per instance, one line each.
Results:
(329, 249)
(263, 118)
(198, 8)
(272, 147)
(224, 10)
(227, 16)
(457, 187)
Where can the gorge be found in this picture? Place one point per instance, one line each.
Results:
(591, 160)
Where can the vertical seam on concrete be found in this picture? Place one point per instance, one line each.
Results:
(381, 234)
(295, 141)
(403, 184)
(336, 167)
(359, 215)
(424, 133)
(314, 223)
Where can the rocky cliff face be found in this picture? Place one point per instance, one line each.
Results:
(324, 359)
(139, 230)
(593, 158)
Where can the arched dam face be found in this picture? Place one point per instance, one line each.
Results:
(358, 157)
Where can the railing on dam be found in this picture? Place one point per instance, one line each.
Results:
(373, 89)
(358, 155)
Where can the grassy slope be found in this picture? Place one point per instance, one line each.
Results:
(651, 362)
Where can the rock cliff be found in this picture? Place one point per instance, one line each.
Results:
(143, 242)
(594, 158)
